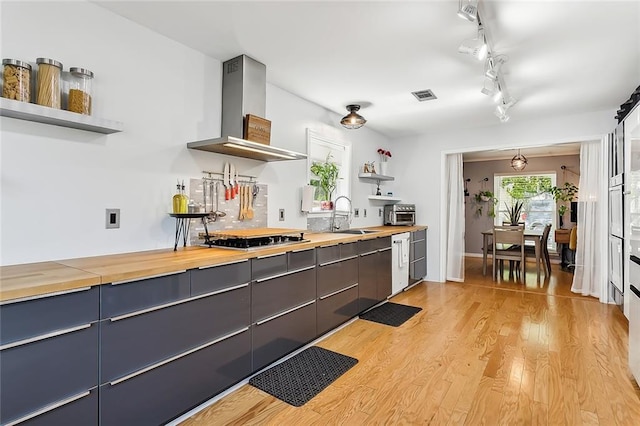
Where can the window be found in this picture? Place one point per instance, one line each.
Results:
(533, 190)
(319, 147)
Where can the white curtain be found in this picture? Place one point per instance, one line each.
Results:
(455, 220)
(588, 277)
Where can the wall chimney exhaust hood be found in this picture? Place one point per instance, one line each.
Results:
(244, 91)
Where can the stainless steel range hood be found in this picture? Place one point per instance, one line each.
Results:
(244, 91)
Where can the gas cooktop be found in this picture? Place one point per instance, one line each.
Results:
(254, 239)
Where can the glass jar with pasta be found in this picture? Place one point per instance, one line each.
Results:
(16, 80)
(79, 96)
(48, 83)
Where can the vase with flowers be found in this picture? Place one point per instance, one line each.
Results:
(384, 157)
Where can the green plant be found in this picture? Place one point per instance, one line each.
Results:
(327, 174)
(514, 212)
(483, 197)
(562, 195)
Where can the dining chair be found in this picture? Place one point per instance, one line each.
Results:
(508, 244)
(530, 251)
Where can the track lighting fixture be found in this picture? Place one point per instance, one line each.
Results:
(468, 9)
(353, 120)
(519, 162)
(480, 49)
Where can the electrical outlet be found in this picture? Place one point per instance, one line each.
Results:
(364, 212)
(112, 219)
(356, 212)
(281, 215)
(379, 212)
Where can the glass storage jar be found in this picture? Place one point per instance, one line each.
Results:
(48, 83)
(16, 80)
(79, 96)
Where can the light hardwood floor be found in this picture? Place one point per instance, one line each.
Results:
(478, 353)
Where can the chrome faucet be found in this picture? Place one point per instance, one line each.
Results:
(333, 227)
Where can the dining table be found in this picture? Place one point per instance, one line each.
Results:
(534, 235)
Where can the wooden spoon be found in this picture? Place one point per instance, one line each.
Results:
(249, 213)
(241, 209)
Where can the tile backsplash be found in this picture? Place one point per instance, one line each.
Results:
(230, 207)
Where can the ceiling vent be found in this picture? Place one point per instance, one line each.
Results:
(424, 95)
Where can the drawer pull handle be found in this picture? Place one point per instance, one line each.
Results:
(44, 296)
(223, 264)
(44, 336)
(418, 241)
(384, 249)
(266, 256)
(368, 253)
(177, 302)
(288, 311)
(326, 296)
(49, 408)
(284, 274)
(418, 260)
(148, 278)
(174, 358)
(331, 262)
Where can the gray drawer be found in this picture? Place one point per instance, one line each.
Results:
(368, 281)
(419, 235)
(301, 259)
(418, 269)
(367, 246)
(276, 295)
(275, 338)
(348, 250)
(328, 254)
(208, 279)
(418, 250)
(336, 276)
(124, 297)
(132, 343)
(32, 317)
(337, 308)
(47, 371)
(165, 391)
(81, 409)
(269, 265)
(382, 242)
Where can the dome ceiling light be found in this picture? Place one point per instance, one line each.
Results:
(353, 120)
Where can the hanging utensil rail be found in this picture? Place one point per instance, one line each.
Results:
(251, 179)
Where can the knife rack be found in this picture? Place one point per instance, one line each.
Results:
(249, 178)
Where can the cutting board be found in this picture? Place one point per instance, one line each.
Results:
(255, 232)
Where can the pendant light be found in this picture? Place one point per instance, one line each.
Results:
(353, 120)
(519, 162)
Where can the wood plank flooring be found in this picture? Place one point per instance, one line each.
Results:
(478, 353)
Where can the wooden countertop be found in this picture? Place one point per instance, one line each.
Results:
(34, 279)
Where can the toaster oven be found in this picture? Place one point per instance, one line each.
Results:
(400, 214)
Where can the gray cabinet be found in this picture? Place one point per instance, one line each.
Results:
(49, 357)
(283, 307)
(167, 389)
(384, 272)
(418, 256)
(374, 271)
(337, 285)
(162, 360)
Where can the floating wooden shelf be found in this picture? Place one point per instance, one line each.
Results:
(57, 117)
(384, 198)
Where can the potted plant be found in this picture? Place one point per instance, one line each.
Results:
(563, 195)
(483, 197)
(514, 212)
(327, 173)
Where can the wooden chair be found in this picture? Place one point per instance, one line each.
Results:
(508, 244)
(530, 251)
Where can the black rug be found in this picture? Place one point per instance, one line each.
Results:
(392, 314)
(303, 376)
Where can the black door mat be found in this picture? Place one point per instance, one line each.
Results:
(390, 313)
(303, 376)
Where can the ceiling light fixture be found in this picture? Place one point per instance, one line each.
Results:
(353, 120)
(468, 10)
(494, 65)
(476, 47)
(519, 162)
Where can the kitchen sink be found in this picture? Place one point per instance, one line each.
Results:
(355, 231)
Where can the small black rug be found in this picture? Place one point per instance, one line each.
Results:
(392, 314)
(303, 376)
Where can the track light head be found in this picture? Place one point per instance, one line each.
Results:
(476, 47)
(494, 66)
(468, 10)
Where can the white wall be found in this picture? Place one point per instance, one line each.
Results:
(422, 160)
(57, 182)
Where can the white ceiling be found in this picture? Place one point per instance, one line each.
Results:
(565, 57)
